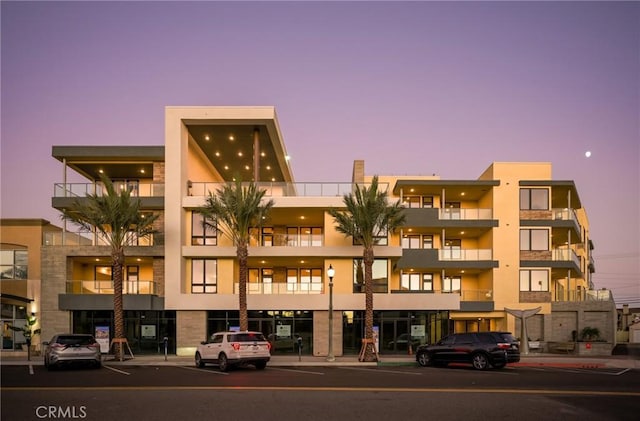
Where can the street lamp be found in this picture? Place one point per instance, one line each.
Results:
(330, 273)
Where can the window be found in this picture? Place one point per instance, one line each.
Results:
(427, 241)
(416, 281)
(379, 275)
(311, 236)
(452, 249)
(304, 279)
(204, 276)
(451, 284)
(378, 240)
(417, 201)
(203, 231)
(427, 201)
(13, 264)
(534, 239)
(534, 199)
(410, 241)
(534, 280)
(452, 210)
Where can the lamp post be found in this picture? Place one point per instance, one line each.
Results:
(330, 273)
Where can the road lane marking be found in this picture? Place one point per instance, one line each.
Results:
(204, 371)
(538, 392)
(31, 369)
(377, 370)
(295, 371)
(116, 370)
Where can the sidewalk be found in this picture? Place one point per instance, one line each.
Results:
(531, 360)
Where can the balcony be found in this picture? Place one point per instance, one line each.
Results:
(84, 189)
(85, 238)
(465, 214)
(276, 189)
(436, 259)
(557, 218)
(436, 218)
(286, 240)
(557, 258)
(80, 287)
(282, 288)
(151, 194)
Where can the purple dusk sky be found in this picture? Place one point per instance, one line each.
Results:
(410, 87)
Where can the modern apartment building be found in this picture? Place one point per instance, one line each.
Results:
(514, 238)
(20, 243)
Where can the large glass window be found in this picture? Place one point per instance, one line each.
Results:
(204, 276)
(451, 284)
(534, 199)
(534, 280)
(379, 275)
(203, 231)
(413, 281)
(534, 239)
(13, 264)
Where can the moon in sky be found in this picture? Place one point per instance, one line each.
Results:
(587, 154)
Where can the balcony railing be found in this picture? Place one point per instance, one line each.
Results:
(84, 238)
(465, 214)
(285, 240)
(465, 254)
(83, 189)
(276, 189)
(565, 214)
(106, 287)
(282, 288)
(566, 255)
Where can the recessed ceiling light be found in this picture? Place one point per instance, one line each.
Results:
(269, 167)
(226, 167)
(101, 171)
(246, 167)
(273, 179)
(217, 153)
(142, 171)
(462, 194)
(206, 137)
(240, 153)
(232, 138)
(263, 154)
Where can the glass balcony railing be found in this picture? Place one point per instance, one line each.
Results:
(106, 287)
(566, 255)
(280, 288)
(285, 240)
(565, 214)
(465, 214)
(84, 189)
(286, 189)
(84, 238)
(465, 254)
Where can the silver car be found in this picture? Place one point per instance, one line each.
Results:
(70, 348)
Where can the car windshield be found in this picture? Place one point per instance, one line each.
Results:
(75, 340)
(246, 337)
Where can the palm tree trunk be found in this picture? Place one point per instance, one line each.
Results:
(118, 317)
(243, 255)
(368, 314)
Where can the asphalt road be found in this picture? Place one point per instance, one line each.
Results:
(319, 393)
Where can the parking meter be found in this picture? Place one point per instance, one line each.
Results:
(299, 348)
(166, 346)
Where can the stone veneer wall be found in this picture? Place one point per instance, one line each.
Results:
(321, 333)
(54, 268)
(191, 329)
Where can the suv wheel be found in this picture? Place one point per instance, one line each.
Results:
(199, 362)
(480, 361)
(424, 359)
(223, 363)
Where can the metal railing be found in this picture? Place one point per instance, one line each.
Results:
(281, 189)
(285, 240)
(82, 287)
(281, 288)
(83, 189)
(465, 254)
(85, 238)
(465, 214)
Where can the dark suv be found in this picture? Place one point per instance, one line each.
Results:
(481, 349)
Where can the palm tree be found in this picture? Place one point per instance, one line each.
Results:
(368, 216)
(235, 209)
(117, 216)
